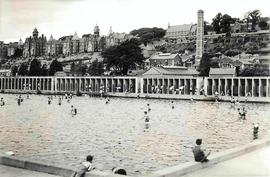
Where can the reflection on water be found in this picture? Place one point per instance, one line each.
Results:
(116, 133)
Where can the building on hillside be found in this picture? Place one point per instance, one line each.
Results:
(179, 31)
(35, 45)
(172, 71)
(148, 50)
(5, 72)
(164, 59)
(12, 46)
(114, 38)
(66, 44)
(54, 47)
(3, 50)
(222, 72)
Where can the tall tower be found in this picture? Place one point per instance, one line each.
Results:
(199, 40)
(35, 33)
(96, 31)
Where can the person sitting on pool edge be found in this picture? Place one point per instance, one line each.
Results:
(84, 167)
(119, 171)
(199, 152)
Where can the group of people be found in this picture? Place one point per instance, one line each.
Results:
(88, 166)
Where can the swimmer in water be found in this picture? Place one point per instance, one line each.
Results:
(148, 107)
(255, 131)
(2, 102)
(73, 110)
(49, 100)
(59, 101)
(146, 117)
(172, 105)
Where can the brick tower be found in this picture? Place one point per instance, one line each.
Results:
(199, 40)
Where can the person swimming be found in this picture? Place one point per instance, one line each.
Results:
(172, 104)
(146, 117)
(49, 100)
(73, 110)
(242, 113)
(255, 131)
(2, 102)
(59, 101)
(148, 107)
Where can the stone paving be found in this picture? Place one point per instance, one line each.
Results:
(253, 164)
(6, 171)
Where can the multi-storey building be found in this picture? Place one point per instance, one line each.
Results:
(54, 47)
(3, 50)
(35, 45)
(115, 38)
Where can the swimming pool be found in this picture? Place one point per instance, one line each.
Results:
(116, 134)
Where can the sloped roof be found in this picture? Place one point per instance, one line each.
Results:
(183, 71)
(75, 36)
(222, 71)
(164, 56)
(51, 38)
(177, 28)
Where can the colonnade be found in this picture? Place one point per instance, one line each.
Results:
(96, 84)
(70, 84)
(230, 86)
(171, 85)
(239, 86)
(26, 83)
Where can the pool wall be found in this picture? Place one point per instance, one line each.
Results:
(174, 171)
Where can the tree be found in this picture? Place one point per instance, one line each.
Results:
(14, 70)
(216, 23)
(207, 27)
(96, 68)
(54, 67)
(256, 70)
(123, 57)
(225, 23)
(251, 47)
(222, 23)
(263, 25)
(35, 69)
(147, 35)
(44, 70)
(23, 70)
(255, 17)
(205, 65)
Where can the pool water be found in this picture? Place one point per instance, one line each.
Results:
(116, 133)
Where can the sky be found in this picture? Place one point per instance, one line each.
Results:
(18, 18)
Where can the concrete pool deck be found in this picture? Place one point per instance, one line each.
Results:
(251, 160)
(253, 164)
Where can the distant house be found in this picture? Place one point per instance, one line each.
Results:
(164, 59)
(222, 72)
(171, 71)
(5, 72)
(64, 74)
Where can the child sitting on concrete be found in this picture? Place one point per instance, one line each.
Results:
(84, 167)
(199, 152)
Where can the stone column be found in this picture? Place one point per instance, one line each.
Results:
(239, 87)
(253, 85)
(260, 87)
(267, 87)
(246, 85)
(232, 87)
